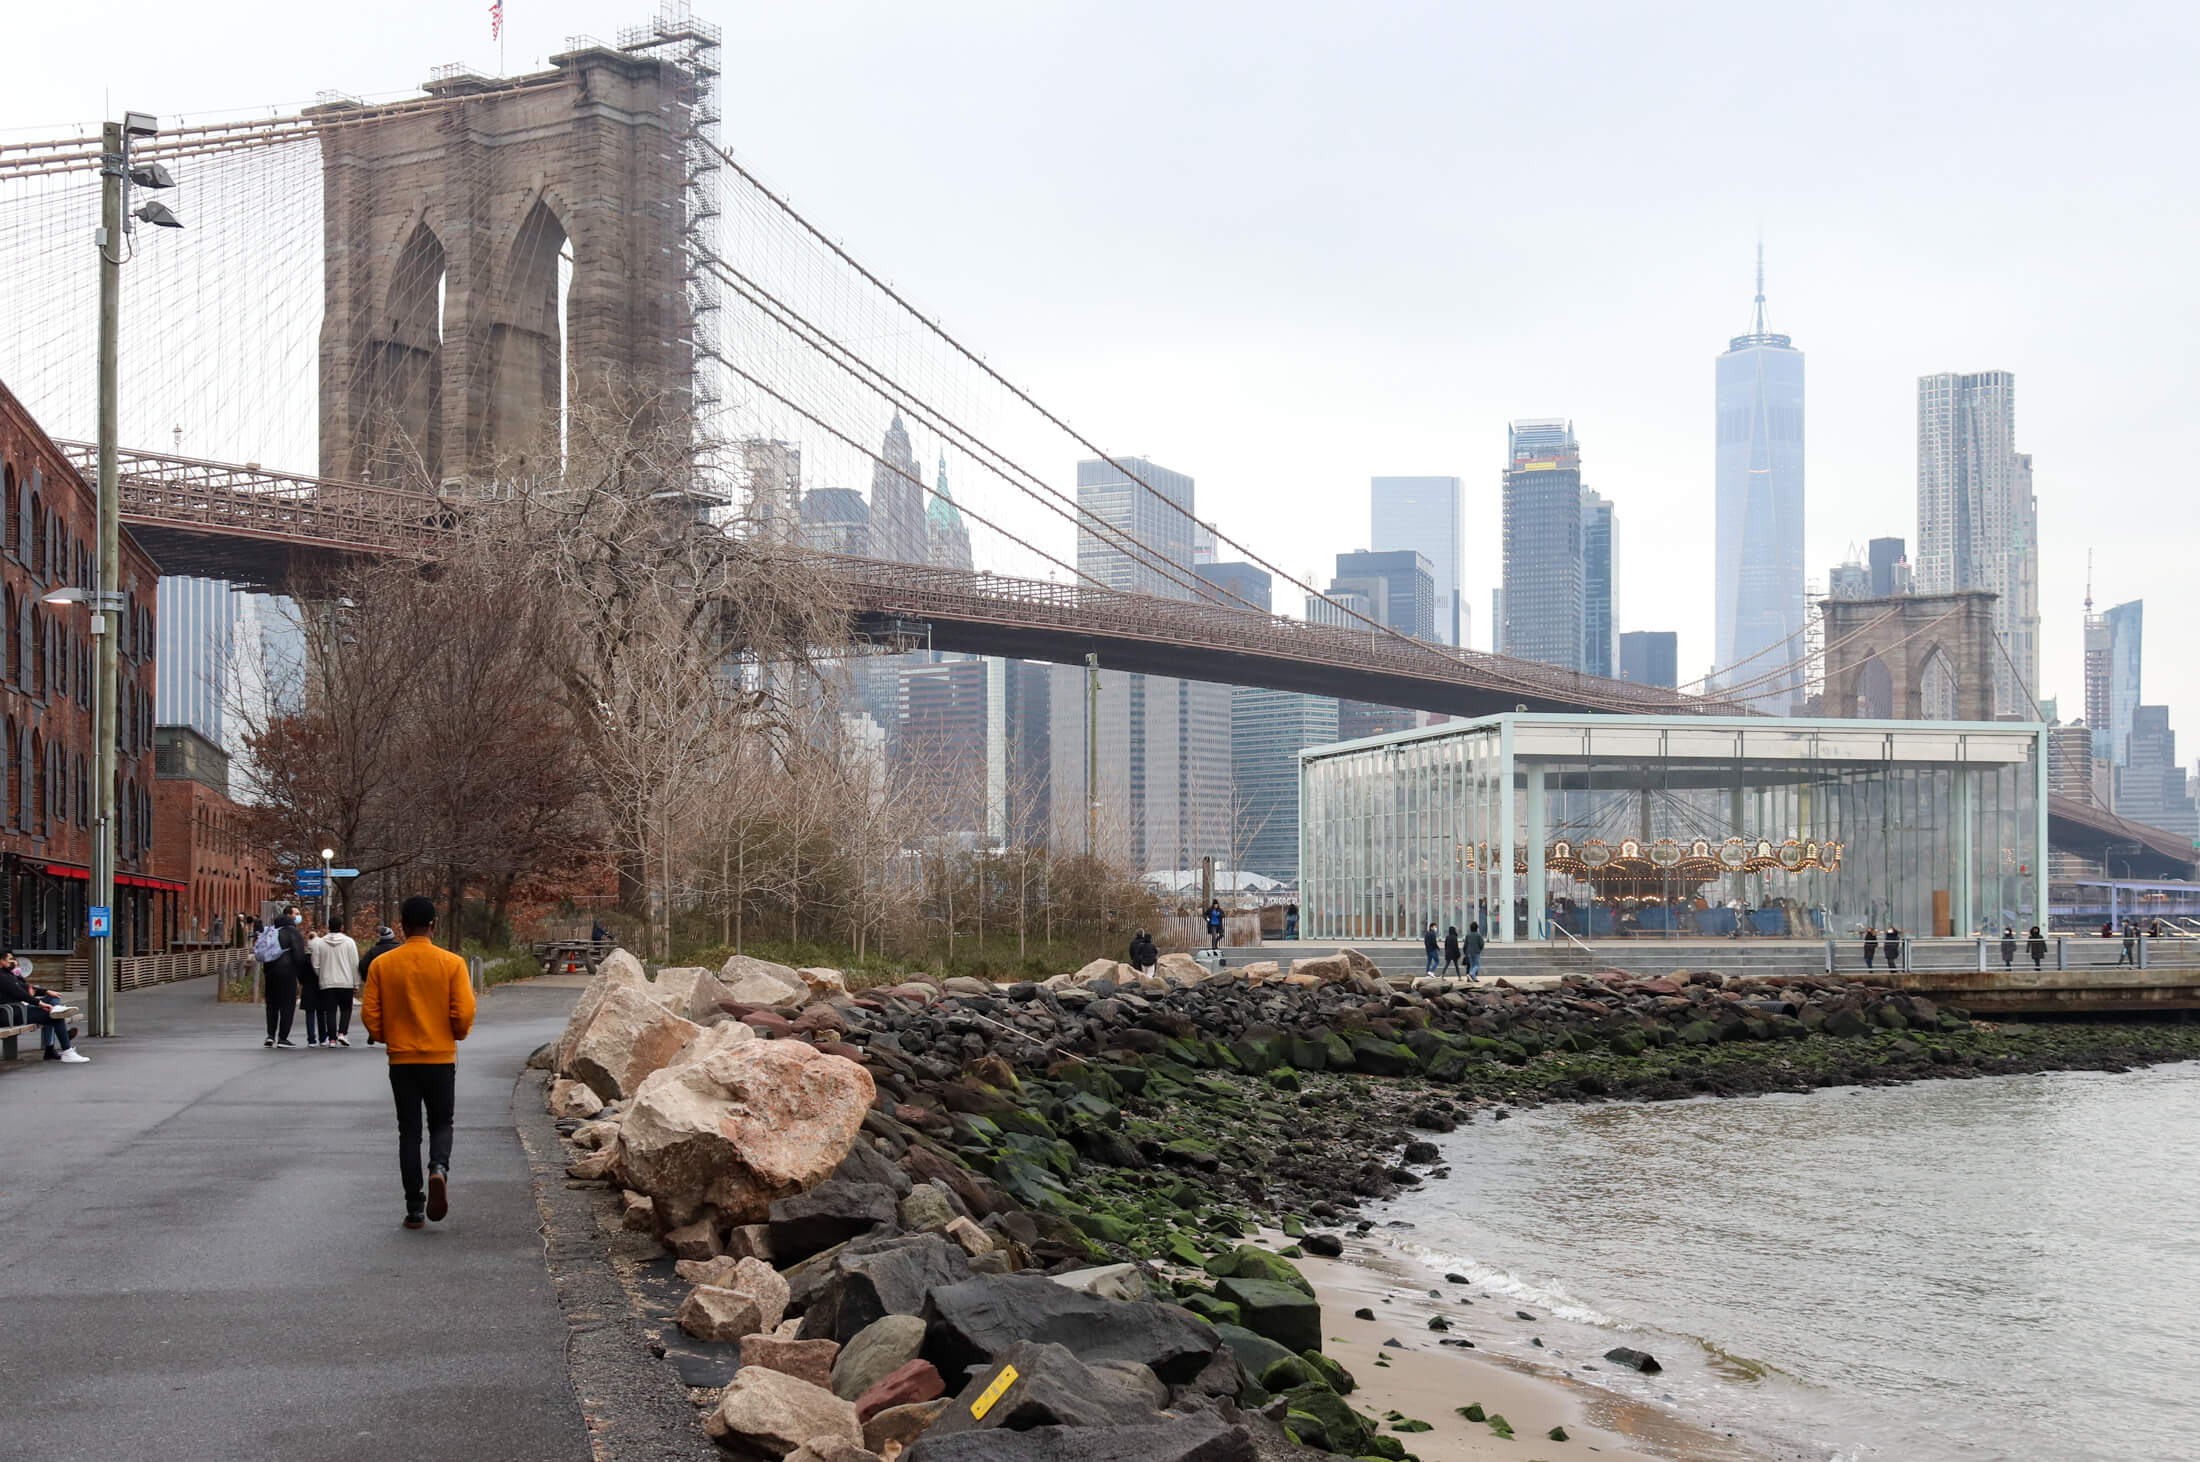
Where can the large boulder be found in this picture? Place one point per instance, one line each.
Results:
(1285, 1315)
(969, 1325)
(689, 991)
(1181, 969)
(876, 1352)
(744, 1125)
(1327, 968)
(1200, 1437)
(1046, 1385)
(872, 1281)
(629, 1037)
(831, 1213)
(750, 981)
(764, 1415)
(615, 969)
(822, 983)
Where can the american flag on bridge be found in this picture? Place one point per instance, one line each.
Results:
(496, 20)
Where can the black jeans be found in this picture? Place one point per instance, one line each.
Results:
(282, 1004)
(335, 1013)
(309, 995)
(435, 1089)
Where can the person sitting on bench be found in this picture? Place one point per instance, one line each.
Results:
(40, 1005)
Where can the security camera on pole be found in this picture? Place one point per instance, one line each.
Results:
(114, 238)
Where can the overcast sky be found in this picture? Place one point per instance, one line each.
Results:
(1284, 247)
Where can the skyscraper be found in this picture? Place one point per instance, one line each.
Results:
(1160, 520)
(1599, 585)
(836, 520)
(1424, 513)
(2113, 699)
(1268, 729)
(947, 540)
(1235, 585)
(1976, 519)
(898, 524)
(1759, 540)
(2150, 785)
(1172, 736)
(1650, 657)
(1544, 577)
(1400, 585)
(196, 629)
(1889, 566)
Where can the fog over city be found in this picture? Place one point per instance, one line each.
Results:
(1283, 248)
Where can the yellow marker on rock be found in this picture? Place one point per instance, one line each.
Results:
(993, 1393)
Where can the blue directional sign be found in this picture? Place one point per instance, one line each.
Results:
(343, 873)
(102, 918)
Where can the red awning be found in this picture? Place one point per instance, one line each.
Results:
(125, 880)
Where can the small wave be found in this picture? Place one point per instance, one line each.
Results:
(1550, 1294)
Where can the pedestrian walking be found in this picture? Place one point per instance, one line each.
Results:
(385, 940)
(42, 1007)
(1871, 946)
(2008, 946)
(2130, 956)
(1451, 950)
(1429, 946)
(1144, 953)
(336, 968)
(2036, 946)
(1894, 949)
(1290, 921)
(419, 1004)
(281, 950)
(309, 983)
(1472, 944)
(1214, 925)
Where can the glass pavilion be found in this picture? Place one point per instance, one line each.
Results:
(1675, 826)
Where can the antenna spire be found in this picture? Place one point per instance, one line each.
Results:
(1760, 326)
(2089, 581)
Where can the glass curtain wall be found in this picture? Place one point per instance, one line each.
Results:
(1623, 827)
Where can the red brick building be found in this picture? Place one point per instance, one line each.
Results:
(207, 842)
(51, 541)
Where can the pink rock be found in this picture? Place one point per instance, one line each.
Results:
(740, 1127)
(811, 1360)
(697, 1240)
(901, 1425)
(769, 1414)
(629, 1036)
(711, 1313)
(906, 1386)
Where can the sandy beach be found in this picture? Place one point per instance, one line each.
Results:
(1426, 1381)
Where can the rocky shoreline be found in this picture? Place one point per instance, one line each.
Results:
(961, 1220)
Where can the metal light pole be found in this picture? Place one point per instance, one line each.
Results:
(115, 177)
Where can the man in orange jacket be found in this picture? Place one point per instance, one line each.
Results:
(419, 1004)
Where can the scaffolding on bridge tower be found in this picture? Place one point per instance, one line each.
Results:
(689, 47)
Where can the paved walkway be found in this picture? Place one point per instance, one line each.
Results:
(203, 1257)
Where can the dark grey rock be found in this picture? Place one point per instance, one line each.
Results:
(1283, 1314)
(1640, 1360)
(1322, 1246)
(970, 1324)
(1050, 1387)
(1201, 1437)
(831, 1213)
(873, 1281)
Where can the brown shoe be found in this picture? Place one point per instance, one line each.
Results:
(439, 1196)
(413, 1219)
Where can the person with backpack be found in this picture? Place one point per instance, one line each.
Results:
(1473, 946)
(1894, 950)
(281, 951)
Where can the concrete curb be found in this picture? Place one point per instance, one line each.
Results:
(633, 1403)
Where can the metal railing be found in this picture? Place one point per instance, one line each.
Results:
(138, 972)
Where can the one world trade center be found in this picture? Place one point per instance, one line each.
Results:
(1760, 512)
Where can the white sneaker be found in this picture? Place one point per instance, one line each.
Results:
(343, 1040)
(75, 1055)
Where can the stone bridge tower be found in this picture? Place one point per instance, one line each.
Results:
(445, 322)
(1911, 657)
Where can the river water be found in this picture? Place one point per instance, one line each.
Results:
(2006, 1267)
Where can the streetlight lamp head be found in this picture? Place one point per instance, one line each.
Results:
(158, 215)
(152, 175)
(67, 596)
(328, 852)
(140, 124)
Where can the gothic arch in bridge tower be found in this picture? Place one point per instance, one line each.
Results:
(1924, 657)
(442, 327)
